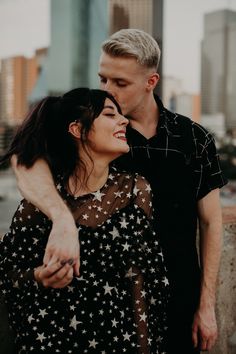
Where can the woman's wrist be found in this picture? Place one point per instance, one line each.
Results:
(36, 275)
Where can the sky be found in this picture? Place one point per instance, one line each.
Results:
(24, 27)
(183, 31)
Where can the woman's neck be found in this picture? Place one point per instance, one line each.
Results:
(90, 179)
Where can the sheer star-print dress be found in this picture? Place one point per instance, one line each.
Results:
(118, 304)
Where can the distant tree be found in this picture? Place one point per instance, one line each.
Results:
(227, 154)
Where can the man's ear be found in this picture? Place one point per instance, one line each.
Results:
(75, 129)
(152, 81)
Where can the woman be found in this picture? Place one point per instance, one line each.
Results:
(118, 302)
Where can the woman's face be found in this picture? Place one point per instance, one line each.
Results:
(108, 134)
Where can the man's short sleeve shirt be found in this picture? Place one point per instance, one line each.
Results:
(176, 136)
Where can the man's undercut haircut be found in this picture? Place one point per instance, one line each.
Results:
(134, 43)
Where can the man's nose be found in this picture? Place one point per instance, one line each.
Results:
(109, 88)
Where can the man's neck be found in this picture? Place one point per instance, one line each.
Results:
(145, 121)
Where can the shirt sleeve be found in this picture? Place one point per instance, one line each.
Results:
(212, 176)
(22, 249)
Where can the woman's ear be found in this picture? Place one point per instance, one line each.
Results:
(75, 129)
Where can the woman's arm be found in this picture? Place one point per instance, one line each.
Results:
(36, 185)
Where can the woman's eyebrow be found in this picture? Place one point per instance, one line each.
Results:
(108, 107)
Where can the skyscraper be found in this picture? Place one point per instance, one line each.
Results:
(78, 28)
(18, 76)
(218, 74)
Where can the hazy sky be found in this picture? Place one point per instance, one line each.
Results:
(183, 31)
(24, 26)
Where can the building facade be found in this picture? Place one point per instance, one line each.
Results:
(18, 76)
(218, 70)
(76, 46)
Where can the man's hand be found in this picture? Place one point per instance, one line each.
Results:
(204, 329)
(55, 275)
(63, 242)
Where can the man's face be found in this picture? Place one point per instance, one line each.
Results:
(126, 80)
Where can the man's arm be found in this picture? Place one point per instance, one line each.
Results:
(37, 186)
(210, 227)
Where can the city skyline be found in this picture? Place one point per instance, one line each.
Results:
(24, 27)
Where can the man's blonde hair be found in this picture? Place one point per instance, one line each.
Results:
(136, 44)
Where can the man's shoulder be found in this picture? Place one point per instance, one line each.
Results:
(186, 125)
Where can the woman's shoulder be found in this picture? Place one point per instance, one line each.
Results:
(125, 180)
(121, 174)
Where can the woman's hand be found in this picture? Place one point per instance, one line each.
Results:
(63, 242)
(54, 275)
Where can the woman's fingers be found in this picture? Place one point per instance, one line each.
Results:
(53, 274)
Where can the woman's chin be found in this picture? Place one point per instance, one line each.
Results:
(125, 150)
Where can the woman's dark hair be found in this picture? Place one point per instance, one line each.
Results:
(44, 132)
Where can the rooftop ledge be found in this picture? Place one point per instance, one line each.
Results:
(229, 214)
(226, 291)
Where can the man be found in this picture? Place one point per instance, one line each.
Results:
(179, 159)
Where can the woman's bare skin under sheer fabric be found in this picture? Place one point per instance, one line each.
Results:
(118, 304)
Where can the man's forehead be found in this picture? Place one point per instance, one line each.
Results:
(116, 70)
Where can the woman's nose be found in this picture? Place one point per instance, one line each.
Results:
(124, 120)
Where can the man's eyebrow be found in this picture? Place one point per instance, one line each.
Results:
(115, 78)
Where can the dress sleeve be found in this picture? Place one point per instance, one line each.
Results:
(143, 195)
(22, 248)
(211, 174)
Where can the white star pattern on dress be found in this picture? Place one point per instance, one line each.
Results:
(108, 288)
(114, 323)
(123, 223)
(40, 337)
(93, 343)
(114, 233)
(126, 246)
(42, 312)
(130, 273)
(98, 196)
(143, 317)
(30, 319)
(165, 281)
(126, 336)
(74, 322)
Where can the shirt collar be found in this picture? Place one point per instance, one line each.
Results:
(166, 118)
